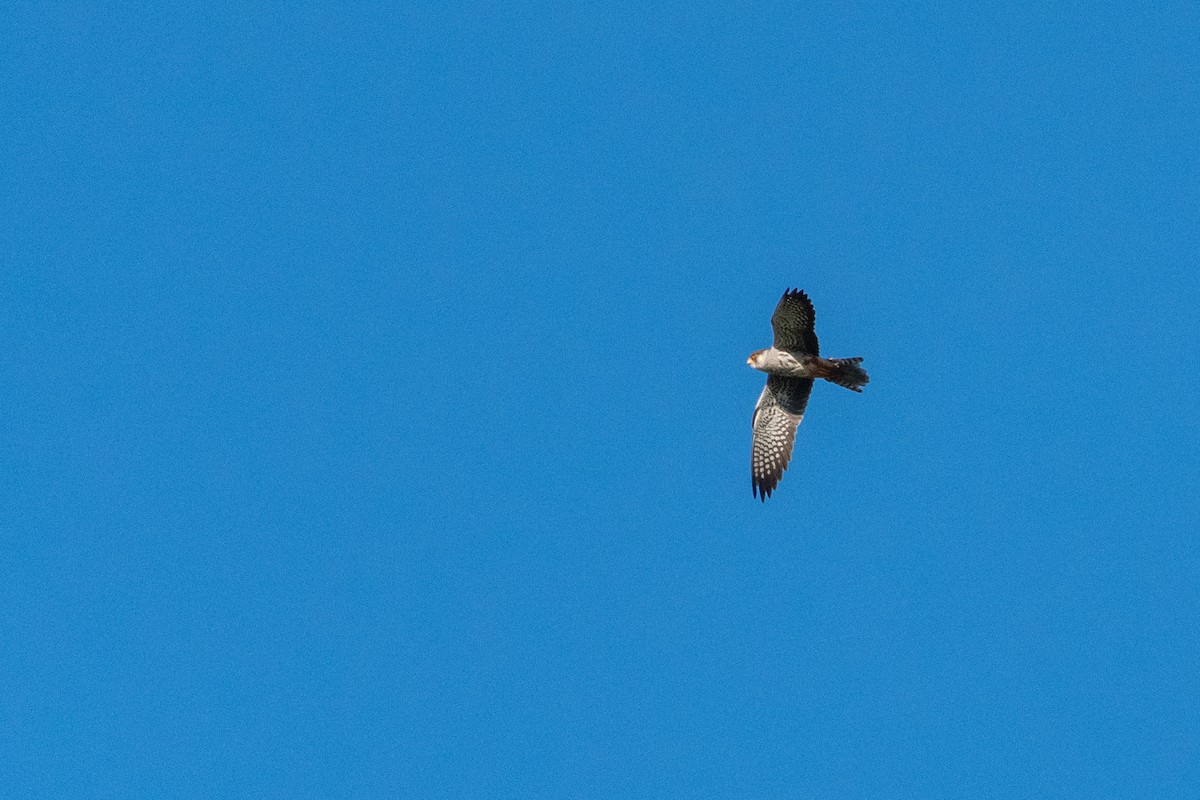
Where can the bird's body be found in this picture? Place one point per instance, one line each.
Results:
(791, 364)
(774, 361)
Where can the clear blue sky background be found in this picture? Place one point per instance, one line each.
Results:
(376, 420)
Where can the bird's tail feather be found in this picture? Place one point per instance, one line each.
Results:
(846, 372)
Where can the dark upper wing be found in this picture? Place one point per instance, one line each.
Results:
(780, 409)
(793, 323)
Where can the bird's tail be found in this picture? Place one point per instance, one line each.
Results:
(846, 372)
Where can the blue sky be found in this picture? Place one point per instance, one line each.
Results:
(376, 416)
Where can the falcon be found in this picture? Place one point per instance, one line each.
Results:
(791, 364)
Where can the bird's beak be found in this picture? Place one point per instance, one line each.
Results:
(750, 361)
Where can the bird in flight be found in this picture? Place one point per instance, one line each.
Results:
(791, 365)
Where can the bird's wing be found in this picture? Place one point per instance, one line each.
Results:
(793, 323)
(780, 409)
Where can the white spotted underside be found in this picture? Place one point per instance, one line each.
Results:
(779, 411)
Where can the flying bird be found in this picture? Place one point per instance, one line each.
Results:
(791, 365)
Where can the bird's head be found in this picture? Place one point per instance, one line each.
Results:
(753, 359)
